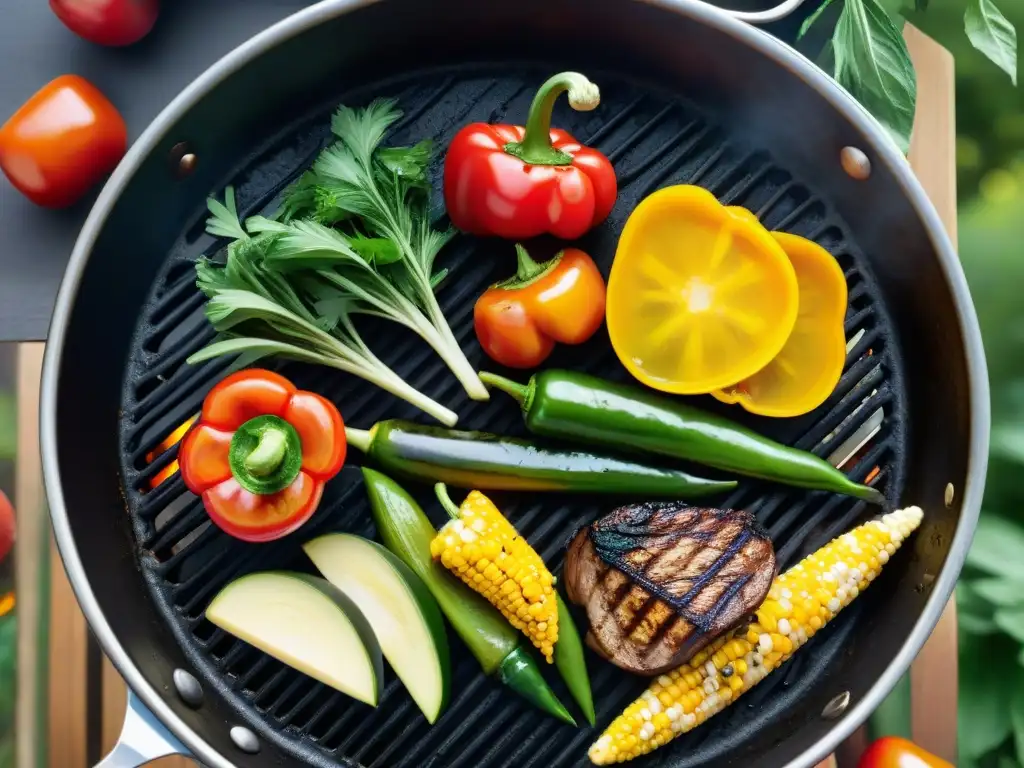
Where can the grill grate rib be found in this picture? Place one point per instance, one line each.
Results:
(654, 141)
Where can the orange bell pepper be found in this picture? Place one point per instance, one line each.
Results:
(518, 321)
(260, 453)
(895, 752)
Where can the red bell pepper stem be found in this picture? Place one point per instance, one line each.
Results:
(268, 453)
(535, 148)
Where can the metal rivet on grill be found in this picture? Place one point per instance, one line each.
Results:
(855, 163)
(183, 160)
(245, 739)
(837, 706)
(949, 494)
(188, 688)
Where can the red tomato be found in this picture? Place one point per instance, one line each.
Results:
(61, 142)
(7, 527)
(894, 752)
(108, 22)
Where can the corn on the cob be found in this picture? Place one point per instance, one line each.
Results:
(481, 547)
(801, 601)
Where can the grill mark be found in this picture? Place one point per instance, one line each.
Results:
(701, 622)
(652, 599)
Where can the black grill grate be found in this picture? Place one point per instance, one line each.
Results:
(654, 141)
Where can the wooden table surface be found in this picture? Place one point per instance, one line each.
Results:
(86, 697)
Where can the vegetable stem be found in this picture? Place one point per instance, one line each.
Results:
(390, 382)
(360, 438)
(535, 148)
(447, 346)
(519, 392)
(527, 267)
(446, 501)
(268, 454)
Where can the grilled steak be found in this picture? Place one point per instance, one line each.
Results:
(660, 580)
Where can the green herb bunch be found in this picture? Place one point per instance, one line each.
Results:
(868, 56)
(352, 236)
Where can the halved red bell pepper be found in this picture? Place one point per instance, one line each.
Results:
(517, 182)
(896, 752)
(260, 453)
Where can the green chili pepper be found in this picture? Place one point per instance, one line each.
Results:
(569, 405)
(571, 663)
(407, 532)
(489, 462)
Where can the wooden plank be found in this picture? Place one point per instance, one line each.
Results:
(933, 676)
(68, 672)
(32, 543)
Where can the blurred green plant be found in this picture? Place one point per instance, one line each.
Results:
(990, 595)
(8, 426)
(868, 56)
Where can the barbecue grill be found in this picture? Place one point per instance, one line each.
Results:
(689, 95)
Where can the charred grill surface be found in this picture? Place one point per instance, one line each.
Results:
(654, 140)
(660, 581)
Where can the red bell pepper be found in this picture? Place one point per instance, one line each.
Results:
(894, 752)
(517, 182)
(260, 453)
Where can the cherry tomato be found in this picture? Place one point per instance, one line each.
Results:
(894, 752)
(108, 22)
(7, 526)
(61, 141)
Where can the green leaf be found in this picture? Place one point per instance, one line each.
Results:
(362, 130)
(1011, 621)
(872, 63)
(974, 613)
(224, 219)
(299, 198)
(1000, 592)
(991, 33)
(810, 20)
(308, 245)
(410, 163)
(920, 5)
(378, 250)
(1017, 715)
(984, 701)
(997, 547)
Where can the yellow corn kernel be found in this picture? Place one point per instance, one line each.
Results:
(486, 552)
(828, 576)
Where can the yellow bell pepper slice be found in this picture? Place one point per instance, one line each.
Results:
(806, 371)
(699, 297)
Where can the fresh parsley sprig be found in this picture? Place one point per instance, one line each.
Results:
(261, 312)
(383, 248)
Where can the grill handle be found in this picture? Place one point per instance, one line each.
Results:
(143, 739)
(779, 12)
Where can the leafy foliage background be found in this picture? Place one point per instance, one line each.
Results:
(990, 596)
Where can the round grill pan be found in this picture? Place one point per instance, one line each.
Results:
(688, 96)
